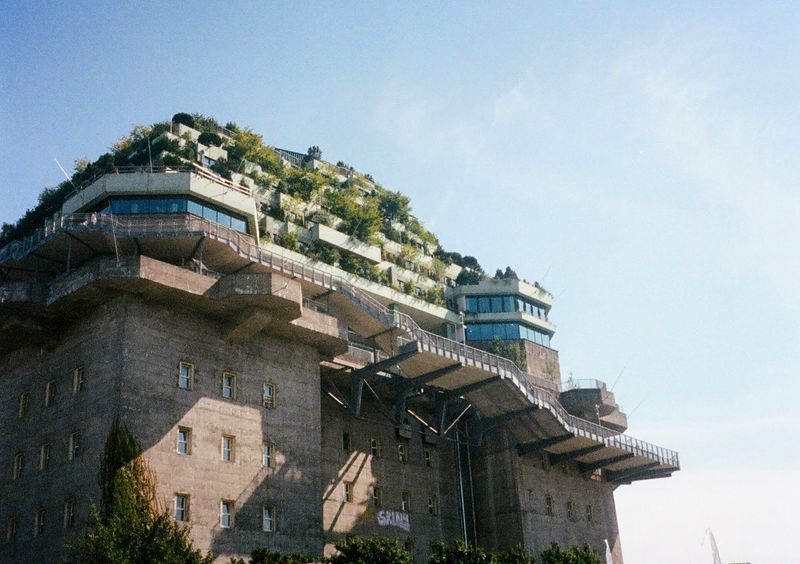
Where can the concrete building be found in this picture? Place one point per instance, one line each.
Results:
(281, 400)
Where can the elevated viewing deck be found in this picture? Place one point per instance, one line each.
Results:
(500, 392)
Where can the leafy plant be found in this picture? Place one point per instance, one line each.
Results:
(210, 138)
(370, 550)
(184, 118)
(131, 528)
(268, 556)
(459, 553)
(576, 555)
(287, 240)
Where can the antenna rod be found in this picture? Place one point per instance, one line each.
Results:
(64, 172)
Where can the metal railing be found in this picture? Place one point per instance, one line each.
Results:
(585, 384)
(536, 389)
(194, 168)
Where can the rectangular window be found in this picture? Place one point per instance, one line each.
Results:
(375, 448)
(548, 505)
(377, 496)
(208, 161)
(49, 393)
(428, 458)
(268, 395)
(38, 524)
(74, 445)
(570, 510)
(184, 440)
(496, 304)
(185, 376)
(483, 305)
(44, 457)
(78, 376)
(23, 404)
(228, 385)
(181, 507)
(401, 453)
(346, 441)
(268, 519)
(589, 513)
(433, 505)
(348, 492)
(226, 514)
(266, 455)
(228, 448)
(19, 464)
(69, 512)
(11, 530)
(405, 501)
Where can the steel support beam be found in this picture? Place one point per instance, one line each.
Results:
(536, 446)
(630, 473)
(471, 387)
(573, 454)
(403, 387)
(590, 466)
(485, 425)
(356, 393)
(648, 475)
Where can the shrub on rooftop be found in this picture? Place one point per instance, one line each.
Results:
(210, 138)
(183, 118)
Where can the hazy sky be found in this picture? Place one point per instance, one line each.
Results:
(641, 162)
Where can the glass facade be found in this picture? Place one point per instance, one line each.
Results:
(506, 331)
(139, 205)
(498, 304)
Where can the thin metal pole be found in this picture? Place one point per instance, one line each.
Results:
(69, 255)
(461, 487)
(471, 489)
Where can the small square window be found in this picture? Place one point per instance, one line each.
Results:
(78, 379)
(346, 441)
(11, 530)
(49, 393)
(428, 458)
(377, 496)
(268, 395)
(23, 404)
(185, 376)
(375, 448)
(184, 445)
(74, 445)
(228, 448)
(226, 514)
(548, 505)
(433, 505)
(268, 519)
(267, 451)
(38, 523)
(348, 492)
(44, 457)
(181, 507)
(228, 385)
(405, 501)
(402, 455)
(69, 512)
(19, 464)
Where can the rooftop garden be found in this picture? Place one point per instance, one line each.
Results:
(336, 193)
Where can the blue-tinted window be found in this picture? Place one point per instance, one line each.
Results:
(239, 224)
(497, 303)
(209, 213)
(483, 305)
(194, 208)
(159, 206)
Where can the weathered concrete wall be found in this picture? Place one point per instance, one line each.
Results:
(93, 343)
(511, 493)
(154, 407)
(365, 471)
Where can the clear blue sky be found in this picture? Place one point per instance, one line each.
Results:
(640, 161)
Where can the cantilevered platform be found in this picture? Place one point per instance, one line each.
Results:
(408, 356)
